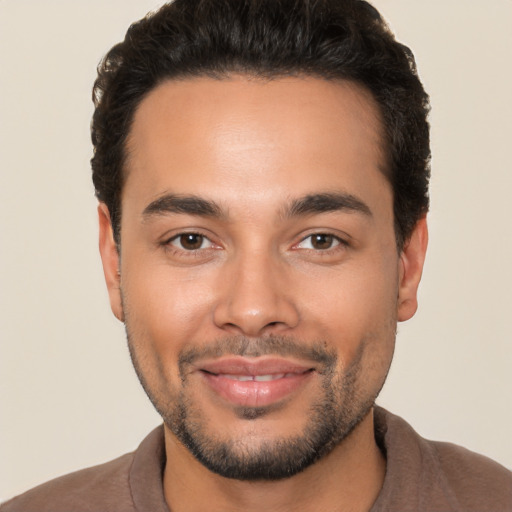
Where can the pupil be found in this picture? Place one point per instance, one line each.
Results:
(322, 241)
(191, 241)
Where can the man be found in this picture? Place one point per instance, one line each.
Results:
(262, 172)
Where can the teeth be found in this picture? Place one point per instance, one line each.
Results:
(242, 378)
(265, 378)
(257, 378)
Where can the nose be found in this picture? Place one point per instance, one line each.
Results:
(255, 298)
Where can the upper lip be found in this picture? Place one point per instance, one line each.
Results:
(237, 365)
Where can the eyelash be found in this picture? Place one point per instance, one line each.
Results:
(340, 243)
(168, 244)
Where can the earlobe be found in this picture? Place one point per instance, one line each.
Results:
(411, 263)
(110, 260)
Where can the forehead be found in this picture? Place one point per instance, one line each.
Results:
(243, 137)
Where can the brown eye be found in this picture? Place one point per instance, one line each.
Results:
(319, 242)
(189, 241)
(322, 241)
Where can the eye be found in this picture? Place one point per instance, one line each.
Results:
(190, 242)
(319, 242)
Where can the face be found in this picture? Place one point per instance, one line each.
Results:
(259, 278)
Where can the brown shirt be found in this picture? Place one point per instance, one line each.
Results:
(421, 476)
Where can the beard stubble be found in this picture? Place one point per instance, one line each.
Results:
(339, 408)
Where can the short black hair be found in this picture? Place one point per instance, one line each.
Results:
(328, 39)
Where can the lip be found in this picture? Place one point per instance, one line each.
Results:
(276, 379)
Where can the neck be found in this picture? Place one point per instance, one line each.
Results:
(348, 478)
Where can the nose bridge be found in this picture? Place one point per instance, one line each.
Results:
(255, 298)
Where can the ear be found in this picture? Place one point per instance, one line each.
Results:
(411, 268)
(110, 260)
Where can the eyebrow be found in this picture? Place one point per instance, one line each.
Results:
(307, 205)
(190, 205)
(326, 202)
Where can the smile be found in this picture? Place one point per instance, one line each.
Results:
(254, 382)
(258, 378)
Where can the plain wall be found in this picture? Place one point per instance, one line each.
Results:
(68, 395)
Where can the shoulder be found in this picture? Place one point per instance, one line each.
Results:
(475, 479)
(102, 487)
(437, 476)
(128, 483)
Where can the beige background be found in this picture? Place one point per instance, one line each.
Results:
(68, 395)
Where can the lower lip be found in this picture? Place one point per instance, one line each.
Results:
(253, 393)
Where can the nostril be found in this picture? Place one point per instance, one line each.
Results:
(250, 315)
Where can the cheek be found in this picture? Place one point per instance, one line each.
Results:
(167, 308)
(162, 316)
(347, 305)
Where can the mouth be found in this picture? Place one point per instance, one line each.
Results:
(254, 382)
(258, 378)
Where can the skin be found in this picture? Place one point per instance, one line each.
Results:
(253, 148)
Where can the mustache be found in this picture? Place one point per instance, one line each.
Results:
(283, 346)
